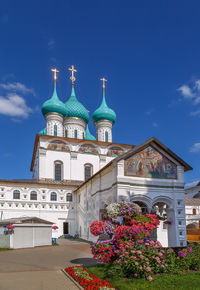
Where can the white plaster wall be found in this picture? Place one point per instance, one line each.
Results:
(5, 241)
(73, 162)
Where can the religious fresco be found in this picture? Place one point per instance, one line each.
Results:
(150, 163)
(58, 146)
(88, 149)
(115, 151)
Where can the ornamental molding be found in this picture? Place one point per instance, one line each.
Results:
(73, 155)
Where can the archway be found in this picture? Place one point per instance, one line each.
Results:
(142, 205)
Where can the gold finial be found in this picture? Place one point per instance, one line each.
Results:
(72, 78)
(55, 71)
(104, 82)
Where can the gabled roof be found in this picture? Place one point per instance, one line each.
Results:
(24, 220)
(137, 149)
(192, 201)
(153, 141)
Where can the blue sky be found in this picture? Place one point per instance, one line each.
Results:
(148, 50)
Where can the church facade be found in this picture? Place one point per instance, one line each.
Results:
(76, 175)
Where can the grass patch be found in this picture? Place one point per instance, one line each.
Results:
(188, 281)
(4, 249)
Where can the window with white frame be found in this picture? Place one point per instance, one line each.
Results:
(88, 171)
(58, 167)
(33, 195)
(69, 196)
(16, 194)
(53, 196)
(55, 130)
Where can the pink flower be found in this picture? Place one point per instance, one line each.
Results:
(125, 262)
(135, 275)
(136, 263)
(149, 278)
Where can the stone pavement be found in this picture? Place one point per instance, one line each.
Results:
(40, 268)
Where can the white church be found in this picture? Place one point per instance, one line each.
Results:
(76, 175)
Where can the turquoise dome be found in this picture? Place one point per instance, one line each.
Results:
(88, 135)
(104, 113)
(53, 105)
(43, 132)
(73, 108)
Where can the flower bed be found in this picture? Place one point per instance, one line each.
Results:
(87, 280)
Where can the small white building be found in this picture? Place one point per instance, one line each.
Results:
(25, 232)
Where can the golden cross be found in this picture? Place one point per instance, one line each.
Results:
(55, 71)
(104, 82)
(72, 78)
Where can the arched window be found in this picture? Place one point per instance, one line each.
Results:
(194, 212)
(83, 135)
(33, 195)
(16, 194)
(69, 196)
(55, 129)
(58, 170)
(88, 171)
(106, 136)
(53, 196)
(66, 133)
(75, 134)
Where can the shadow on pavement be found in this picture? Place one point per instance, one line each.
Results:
(84, 261)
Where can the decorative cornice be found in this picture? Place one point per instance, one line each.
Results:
(135, 184)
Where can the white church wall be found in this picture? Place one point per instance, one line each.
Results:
(111, 186)
(73, 162)
(58, 211)
(151, 191)
(93, 196)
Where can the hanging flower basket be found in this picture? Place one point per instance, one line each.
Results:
(54, 227)
(10, 227)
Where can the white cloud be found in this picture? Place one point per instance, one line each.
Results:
(197, 85)
(195, 113)
(149, 112)
(51, 43)
(195, 148)
(14, 105)
(17, 87)
(186, 92)
(155, 124)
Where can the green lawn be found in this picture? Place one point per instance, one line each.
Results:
(4, 249)
(188, 281)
